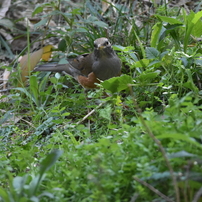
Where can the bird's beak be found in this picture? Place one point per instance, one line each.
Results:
(100, 47)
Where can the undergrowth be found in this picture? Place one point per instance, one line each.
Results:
(135, 138)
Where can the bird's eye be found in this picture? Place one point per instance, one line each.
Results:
(106, 43)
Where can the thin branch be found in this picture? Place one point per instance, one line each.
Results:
(91, 112)
(150, 133)
(197, 195)
(153, 189)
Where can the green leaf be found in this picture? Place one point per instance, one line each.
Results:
(152, 53)
(24, 90)
(106, 112)
(142, 63)
(34, 89)
(42, 85)
(198, 62)
(40, 23)
(156, 34)
(54, 80)
(117, 84)
(181, 154)
(37, 10)
(6, 116)
(4, 195)
(76, 11)
(197, 29)
(148, 77)
(191, 23)
(168, 19)
(178, 136)
(197, 17)
(63, 61)
(81, 29)
(189, 84)
(18, 183)
(119, 47)
(62, 46)
(34, 184)
(100, 24)
(49, 161)
(7, 23)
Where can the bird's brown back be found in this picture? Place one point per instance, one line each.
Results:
(83, 63)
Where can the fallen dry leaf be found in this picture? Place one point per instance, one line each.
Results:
(6, 75)
(105, 5)
(47, 51)
(27, 64)
(29, 61)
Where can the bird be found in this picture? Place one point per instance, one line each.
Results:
(90, 68)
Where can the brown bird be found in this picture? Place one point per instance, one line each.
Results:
(88, 69)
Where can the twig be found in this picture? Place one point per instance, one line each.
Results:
(91, 112)
(29, 123)
(150, 133)
(153, 189)
(197, 195)
(5, 90)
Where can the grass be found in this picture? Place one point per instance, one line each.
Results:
(141, 143)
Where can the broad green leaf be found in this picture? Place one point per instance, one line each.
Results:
(158, 176)
(4, 195)
(197, 29)
(81, 29)
(100, 24)
(189, 26)
(6, 116)
(117, 84)
(63, 61)
(106, 112)
(181, 154)
(148, 77)
(37, 10)
(197, 17)
(193, 184)
(168, 19)
(42, 85)
(49, 161)
(7, 23)
(142, 63)
(189, 84)
(178, 136)
(156, 34)
(76, 11)
(152, 53)
(41, 23)
(198, 62)
(172, 27)
(54, 80)
(34, 184)
(133, 56)
(119, 47)
(24, 90)
(34, 89)
(62, 46)
(18, 183)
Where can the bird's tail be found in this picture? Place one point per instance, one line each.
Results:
(54, 67)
